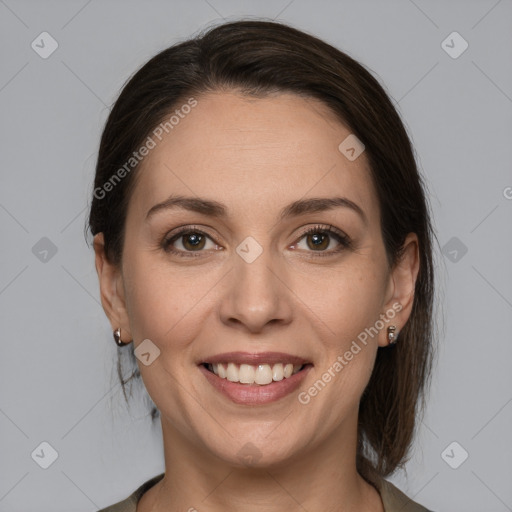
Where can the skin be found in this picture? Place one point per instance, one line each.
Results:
(256, 156)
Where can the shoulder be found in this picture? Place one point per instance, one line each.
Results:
(130, 503)
(394, 499)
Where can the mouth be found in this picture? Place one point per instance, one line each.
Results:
(253, 379)
(260, 375)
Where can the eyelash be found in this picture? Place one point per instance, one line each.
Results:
(343, 239)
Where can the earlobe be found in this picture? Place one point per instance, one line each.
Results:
(403, 283)
(111, 288)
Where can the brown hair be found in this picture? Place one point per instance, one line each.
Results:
(262, 57)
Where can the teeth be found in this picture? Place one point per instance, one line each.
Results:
(221, 371)
(277, 372)
(263, 374)
(232, 373)
(248, 374)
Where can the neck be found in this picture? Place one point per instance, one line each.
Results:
(323, 477)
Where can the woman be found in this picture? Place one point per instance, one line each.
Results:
(264, 250)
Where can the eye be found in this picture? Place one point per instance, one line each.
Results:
(319, 238)
(191, 240)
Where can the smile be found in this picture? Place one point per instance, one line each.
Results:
(253, 379)
(261, 374)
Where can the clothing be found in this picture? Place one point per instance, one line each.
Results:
(393, 499)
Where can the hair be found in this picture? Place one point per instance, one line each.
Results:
(258, 58)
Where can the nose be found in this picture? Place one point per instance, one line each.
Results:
(257, 294)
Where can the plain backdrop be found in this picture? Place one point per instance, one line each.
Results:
(57, 373)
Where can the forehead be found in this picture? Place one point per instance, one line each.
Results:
(253, 154)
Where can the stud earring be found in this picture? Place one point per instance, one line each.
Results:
(392, 334)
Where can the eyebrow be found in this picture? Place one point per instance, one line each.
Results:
(215, 209)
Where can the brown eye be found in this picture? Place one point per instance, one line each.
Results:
(319, 238)
(186, 242)
(318, 241)
(193, 241)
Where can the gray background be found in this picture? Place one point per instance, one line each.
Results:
(57, 381)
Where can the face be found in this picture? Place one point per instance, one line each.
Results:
(240, 283)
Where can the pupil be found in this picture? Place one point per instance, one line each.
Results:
(318, 239)
(194, 239)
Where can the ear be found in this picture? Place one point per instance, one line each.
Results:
(402, 282)
(111, 289)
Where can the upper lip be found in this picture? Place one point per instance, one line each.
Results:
(254, 358)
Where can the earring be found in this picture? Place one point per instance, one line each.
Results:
(392, 334)
(117, 338)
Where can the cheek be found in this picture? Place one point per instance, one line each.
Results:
(347, 346)
(166, 303)
(152, 306)
(344, 301)
(154, 298)
(164, 306)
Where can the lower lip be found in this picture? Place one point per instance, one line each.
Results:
(254, 394)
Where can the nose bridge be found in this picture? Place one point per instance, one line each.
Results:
(253, 267)
(257, 294)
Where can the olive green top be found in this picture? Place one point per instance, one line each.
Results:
(393, 499)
